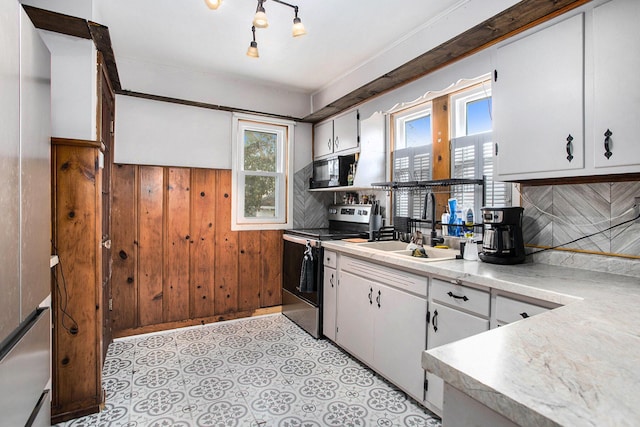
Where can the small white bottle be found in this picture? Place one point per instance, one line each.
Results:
(445, 220)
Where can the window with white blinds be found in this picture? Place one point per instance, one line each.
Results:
(411, 164)
(411, 157)
(472, 149)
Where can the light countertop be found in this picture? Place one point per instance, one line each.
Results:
(577, 365)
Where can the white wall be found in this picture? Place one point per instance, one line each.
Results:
(465, 15)
(166, 134)
(191, 85)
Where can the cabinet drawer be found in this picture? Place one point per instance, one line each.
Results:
(330, 259)
(460, 296)
(385, 275)
(509, 310)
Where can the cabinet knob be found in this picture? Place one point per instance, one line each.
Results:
(570, 148)
(107, 244)
(435, 321)
(524, 315)
(607, 143)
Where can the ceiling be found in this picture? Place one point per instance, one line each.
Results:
(341, 35)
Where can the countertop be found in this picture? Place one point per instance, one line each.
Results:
(577, 365)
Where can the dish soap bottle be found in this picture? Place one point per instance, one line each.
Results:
(468, 229)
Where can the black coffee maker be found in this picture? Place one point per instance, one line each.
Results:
(502, 241)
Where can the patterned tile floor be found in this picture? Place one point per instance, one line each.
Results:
(257, 372)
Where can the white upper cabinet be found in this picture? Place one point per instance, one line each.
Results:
(538, 101)
(575, 76)
(323, 139)
(336, 136)
(616, 97)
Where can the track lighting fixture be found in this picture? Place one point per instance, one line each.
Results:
(260, 21)
(253, 47)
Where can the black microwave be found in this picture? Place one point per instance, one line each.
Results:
(332, 172)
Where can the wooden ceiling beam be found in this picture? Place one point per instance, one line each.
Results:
(78, 27)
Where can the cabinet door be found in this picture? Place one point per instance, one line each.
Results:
(447, 325)
(345, 132)
(329, 284)
(616, 85)
(400, 337)
(355, 316)
(538, 102)
(323, 139)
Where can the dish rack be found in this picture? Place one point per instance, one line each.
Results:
(440, 186)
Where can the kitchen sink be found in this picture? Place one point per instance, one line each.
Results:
(385, 245)
(396, 247)
(433, 254)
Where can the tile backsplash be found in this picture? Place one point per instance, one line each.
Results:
(557, 214)
(309, 207)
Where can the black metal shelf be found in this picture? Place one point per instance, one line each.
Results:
(409, 185)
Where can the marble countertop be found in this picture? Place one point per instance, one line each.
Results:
(577, 365)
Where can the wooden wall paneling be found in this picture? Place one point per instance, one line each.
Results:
(77, 330)
(202, 243)
(175, 289)
(124, 248)
(150, 241)
(441, 150)
(226, 261)
(249, 270)
(271, 266)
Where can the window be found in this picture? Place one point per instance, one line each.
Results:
(411, 157)
(260, 173)
(472, 148)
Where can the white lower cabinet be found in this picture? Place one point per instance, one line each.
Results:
(466, 314)
(381, 324)
(329, 302)
(508, 309)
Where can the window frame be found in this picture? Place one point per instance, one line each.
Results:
(284, 130)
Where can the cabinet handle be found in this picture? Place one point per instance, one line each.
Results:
(569, 148)
(337, 143)
(463, 297)
(378, 298)
(435, 321)
(607, 143)
(331, 280)
(329, 143)
(370, 296)
(524, 315)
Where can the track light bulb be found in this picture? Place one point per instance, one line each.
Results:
(298, 27)
(213, 4)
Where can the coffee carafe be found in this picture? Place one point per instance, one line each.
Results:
(502, 241)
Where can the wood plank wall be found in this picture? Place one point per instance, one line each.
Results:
(176, 261)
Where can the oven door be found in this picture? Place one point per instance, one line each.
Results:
(301, 302)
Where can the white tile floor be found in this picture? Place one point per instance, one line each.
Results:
(257, 372)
